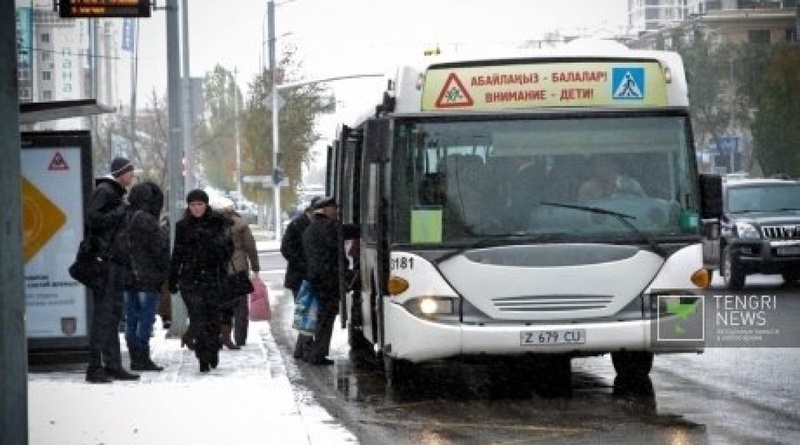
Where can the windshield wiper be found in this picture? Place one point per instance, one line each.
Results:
(621, 217)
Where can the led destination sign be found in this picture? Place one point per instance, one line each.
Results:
(103, 8)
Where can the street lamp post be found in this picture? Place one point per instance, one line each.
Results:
(238, 144)
(276, 191)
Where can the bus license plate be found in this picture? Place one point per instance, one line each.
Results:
(553, 337)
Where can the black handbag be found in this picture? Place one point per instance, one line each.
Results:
(239, 284)
(89, 267)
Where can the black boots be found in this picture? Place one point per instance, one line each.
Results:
(140, 361)
(120, 374)
(97, 375)
(208, 360)
(225, 337)
(108, 374)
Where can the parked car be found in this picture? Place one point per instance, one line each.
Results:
(760, 230)
(248, 211)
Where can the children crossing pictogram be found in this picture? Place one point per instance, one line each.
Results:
(628, 83)
(454, 94)
(58, 163)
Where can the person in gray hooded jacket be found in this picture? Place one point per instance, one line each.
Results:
(147, 249)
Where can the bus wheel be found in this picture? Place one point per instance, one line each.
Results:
(632, 364)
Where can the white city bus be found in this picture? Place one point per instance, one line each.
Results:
(478, 236)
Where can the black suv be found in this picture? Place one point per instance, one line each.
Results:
(760, 230)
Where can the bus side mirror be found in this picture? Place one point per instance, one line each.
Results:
(710, 196)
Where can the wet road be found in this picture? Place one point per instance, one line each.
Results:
(724, 396)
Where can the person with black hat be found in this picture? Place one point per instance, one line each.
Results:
(324, 252)
(105, 216)
(292, 251)
(201, 255)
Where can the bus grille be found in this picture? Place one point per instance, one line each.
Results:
(781, 232)
(544, 303)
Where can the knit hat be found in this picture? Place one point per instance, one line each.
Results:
(313, 202)
(325, 202)
(197, 195)
(120, 166)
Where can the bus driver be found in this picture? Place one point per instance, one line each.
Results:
(608, 181)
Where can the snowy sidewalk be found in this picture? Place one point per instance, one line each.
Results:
(248, 399)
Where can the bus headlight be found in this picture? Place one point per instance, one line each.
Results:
(431, 306)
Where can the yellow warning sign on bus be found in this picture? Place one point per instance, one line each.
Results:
(551, 84)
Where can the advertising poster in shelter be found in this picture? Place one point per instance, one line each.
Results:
(56, 178)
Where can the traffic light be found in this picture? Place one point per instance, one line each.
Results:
(277, 176)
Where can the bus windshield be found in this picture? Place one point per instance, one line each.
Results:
(461, 180)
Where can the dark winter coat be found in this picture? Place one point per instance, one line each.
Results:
(105, 212)
(143, 241)
(292, 251)
(202, 251)
(324, 251)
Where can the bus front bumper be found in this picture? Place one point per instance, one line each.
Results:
(422, 340)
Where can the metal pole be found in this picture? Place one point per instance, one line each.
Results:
(134, 81)
(174, 167)
(276, 196)
(732, 92)
(13, 346)
(238, 144)
(188, 118)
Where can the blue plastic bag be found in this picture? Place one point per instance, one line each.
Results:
(306, 309)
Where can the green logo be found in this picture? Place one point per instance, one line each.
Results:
(681, 318)
(682, 311)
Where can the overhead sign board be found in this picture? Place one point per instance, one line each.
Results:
(625, 83)
(264, 180)
(252, 179)
(103, 8)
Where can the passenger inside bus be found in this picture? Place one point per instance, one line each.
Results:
(526, 187)
(608, 181)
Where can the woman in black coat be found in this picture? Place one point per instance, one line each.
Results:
(146, 248)
(200, 259)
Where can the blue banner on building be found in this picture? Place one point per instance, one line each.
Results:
(128, 33)
(24, 37)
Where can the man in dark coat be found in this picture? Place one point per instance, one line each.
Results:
(324, 251)
(105, 216)
(292, 251)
